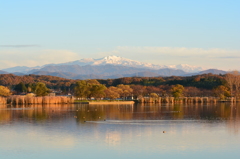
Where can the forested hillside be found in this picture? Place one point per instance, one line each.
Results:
(206, 82)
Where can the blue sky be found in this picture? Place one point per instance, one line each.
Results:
(202, 32)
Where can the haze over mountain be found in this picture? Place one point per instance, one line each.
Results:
(109, 60)
(120, 61)
(3, 72)
(107, 67)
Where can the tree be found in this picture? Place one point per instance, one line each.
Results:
(230, 81)
(89, 88)
(233, 81)
(29, 89)
(4, 91)
(97, 91)
(152, 89)
(222, 92)
(192, 92)
(20, 87)
(126, 90)
(112, 92)
(138, 90)
(81, 90)
(41, 89)
(236, 82)
(177, 91)
(92, 81)
(153, 95)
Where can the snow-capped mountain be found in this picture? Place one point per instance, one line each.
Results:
(121, 61)
(112, 60)
(186, 68)
(109, 60)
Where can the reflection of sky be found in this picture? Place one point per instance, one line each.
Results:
(54, 132)
(119, 139)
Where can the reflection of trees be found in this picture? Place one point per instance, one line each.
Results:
(234, 121)
(5, 116)
(34, 113)
(87, 113)
(103, 112)
(221, 112)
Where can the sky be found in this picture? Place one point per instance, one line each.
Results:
(201, 32)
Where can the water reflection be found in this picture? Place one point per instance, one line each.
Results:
(120, 131)
(223, 112)
(83, 113)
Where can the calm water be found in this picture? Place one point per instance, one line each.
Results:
(120, 131)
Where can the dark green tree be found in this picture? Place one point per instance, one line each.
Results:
(20, 87)
(97, 91)
(81, 90)
(88, 89)
(41, 89)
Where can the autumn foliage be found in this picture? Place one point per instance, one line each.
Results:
(4, 91)
(193, 86)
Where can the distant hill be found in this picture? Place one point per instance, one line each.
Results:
(102, 72)
(212, 71)
(58, 74)
(20, 69)
(18, 73)
(121, 61)
(108, 60)
(3, 72)
(110, 67)
(112, 72)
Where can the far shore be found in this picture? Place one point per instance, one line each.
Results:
(26, 100)
(105, 102)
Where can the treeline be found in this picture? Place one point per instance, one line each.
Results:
(26, 82)
(206, 81)
(199, 85)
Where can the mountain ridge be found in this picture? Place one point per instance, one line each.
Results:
(108, 60)
(109, 67)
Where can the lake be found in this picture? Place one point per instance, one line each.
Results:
(120, 131)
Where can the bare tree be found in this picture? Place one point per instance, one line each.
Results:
(236, 82)
(230, 81)
(233, 81)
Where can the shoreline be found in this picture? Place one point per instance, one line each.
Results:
(106, 102)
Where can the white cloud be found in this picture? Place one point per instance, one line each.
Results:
(208, 58)
(35, 58)
(58, 56)
(177, 51)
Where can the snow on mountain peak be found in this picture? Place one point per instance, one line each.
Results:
(110, 60)
(112, 57)
(117, 60)
(120, 61)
